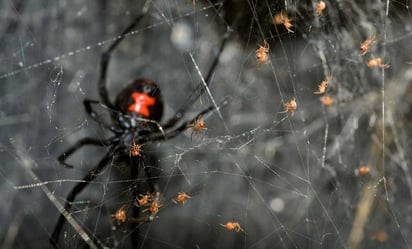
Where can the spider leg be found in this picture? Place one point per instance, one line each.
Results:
(201, 88)
(89, 109)
(105, 59)
(155, 137)
(152, 187)
(75, 191)
(79, 144)
(185, 125)
(140, 163)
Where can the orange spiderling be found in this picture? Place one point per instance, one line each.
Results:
(135, 150)
(326, 100)
(278, 18)
(320, 7)
(380, 236)
(143, 200)
(363, 170)
(154, 208)
(120, 215)
(323, 85)
(231, 225)
(282, 18)
(290, 106)
(197, 126)
(262, 56)
(376, 62)
(365, 45)
(181, 198)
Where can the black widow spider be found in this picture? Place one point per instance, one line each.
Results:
(136, 113)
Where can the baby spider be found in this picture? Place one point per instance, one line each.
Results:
(380, 236)
(181, 198)
(376, 62)
(120, 215)
(143, 200)
(154, 209)
(135, 150)
(197, 125)
(365, 46)
(326, 100)
(262, 56)
(362, 170)
(290, 106)
(232, 225)
(323, 85)
(281, 18)
(320, 7)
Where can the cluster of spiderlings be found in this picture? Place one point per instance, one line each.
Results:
(281, 18)
(326, 99)
(151, 201)
(373, 61)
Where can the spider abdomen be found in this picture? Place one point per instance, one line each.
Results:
(141, 98)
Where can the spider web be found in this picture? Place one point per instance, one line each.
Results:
(289, 180)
